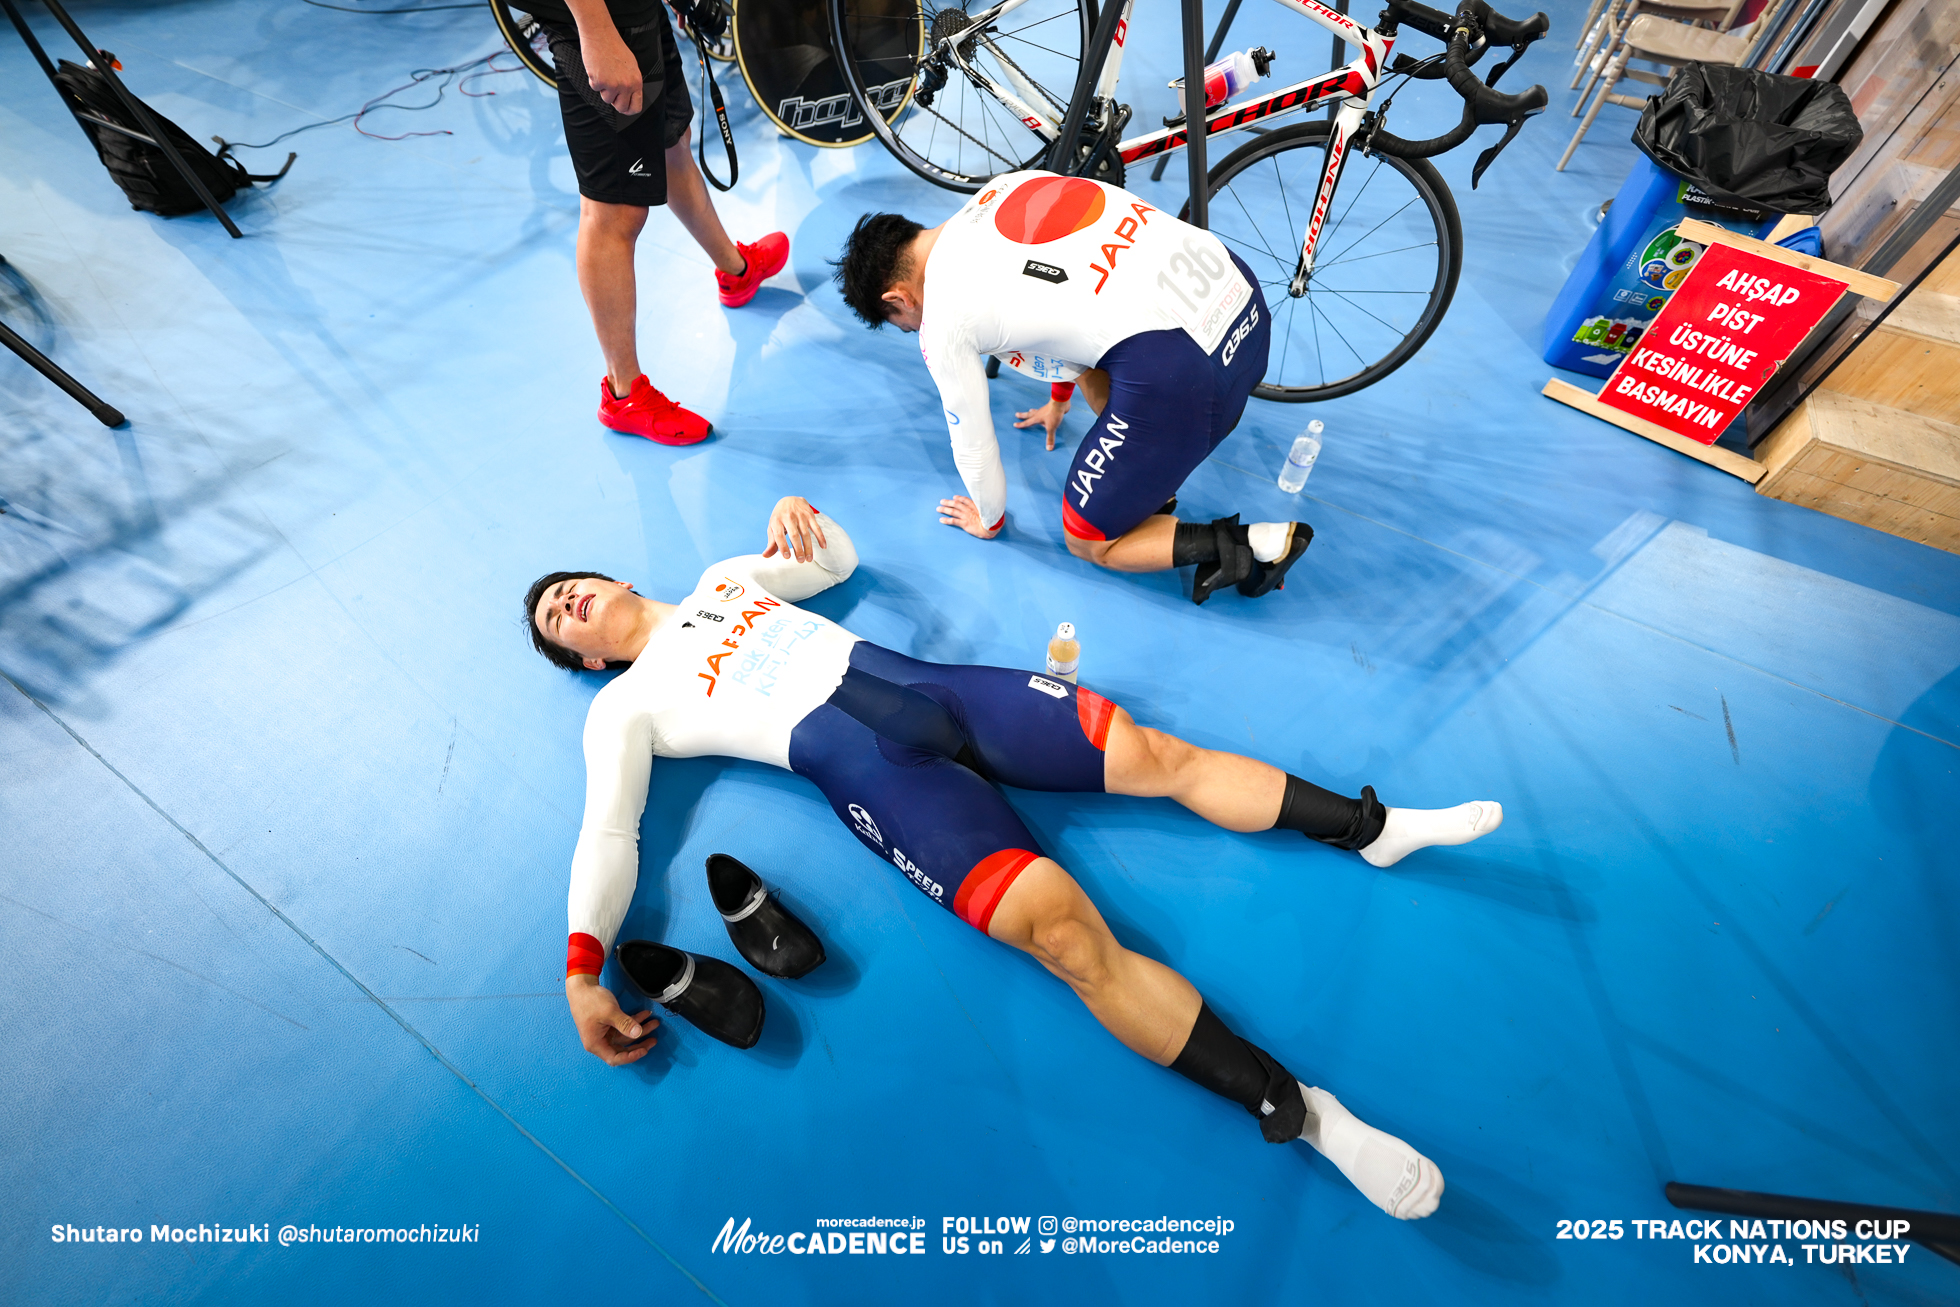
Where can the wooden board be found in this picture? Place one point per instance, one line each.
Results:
(1868, 463)
(1713, 455)
(1861, 283)
(1910, 361)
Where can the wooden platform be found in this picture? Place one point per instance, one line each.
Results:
(1714, 455)
(1868, 462)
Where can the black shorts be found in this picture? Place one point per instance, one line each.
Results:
(621, 160)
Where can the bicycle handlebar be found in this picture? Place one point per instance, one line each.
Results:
(1473, 28)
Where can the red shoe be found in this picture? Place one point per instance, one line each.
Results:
(647, 412)
(766, 258)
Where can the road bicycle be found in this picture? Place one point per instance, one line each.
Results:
(1358, 276)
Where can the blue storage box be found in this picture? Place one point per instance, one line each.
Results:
(1631, 265)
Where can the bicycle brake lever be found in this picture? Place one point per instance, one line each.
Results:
(1489, 156)
(1517, 53)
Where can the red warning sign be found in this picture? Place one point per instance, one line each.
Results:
(1730, 325)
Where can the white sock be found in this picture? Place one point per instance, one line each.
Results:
(1270, 540)
(1389, 1173)
(1409, 829)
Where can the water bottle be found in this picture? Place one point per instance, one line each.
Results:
(1064, 653)
(1230, 75)
(1299, 459)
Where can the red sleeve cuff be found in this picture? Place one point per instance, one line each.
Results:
(998, 525)
(584, 956)
(1061, 390)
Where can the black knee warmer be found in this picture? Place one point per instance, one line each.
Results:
(1328, 817)
(1233, 1068)
(1193, 542)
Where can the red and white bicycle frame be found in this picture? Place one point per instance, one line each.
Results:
(1355, 85)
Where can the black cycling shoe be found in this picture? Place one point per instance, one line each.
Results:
(710, 993)
(1235, 562)
(765, 932)
(1170, 507)
(1267, 577)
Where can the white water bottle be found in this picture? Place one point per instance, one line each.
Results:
(1230, 75)
(1064, 653)
(1300, 459)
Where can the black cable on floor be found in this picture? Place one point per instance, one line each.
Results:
(417, 78)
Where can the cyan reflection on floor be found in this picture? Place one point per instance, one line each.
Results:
(289, 809)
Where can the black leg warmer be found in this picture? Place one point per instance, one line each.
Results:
(1233, 1068)
(1193, 542)
(1326, 816)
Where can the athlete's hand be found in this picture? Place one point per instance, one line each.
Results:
(611, 68)
(961, 512)
(606, 1031)
(794, 531)
(1048, 415)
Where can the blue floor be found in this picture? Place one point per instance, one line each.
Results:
(288, 802)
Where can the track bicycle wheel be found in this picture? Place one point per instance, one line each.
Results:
(954, 132)
(1386, 268)
(788, 60)
(526, 39)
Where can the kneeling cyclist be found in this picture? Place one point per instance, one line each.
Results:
(1068, 279)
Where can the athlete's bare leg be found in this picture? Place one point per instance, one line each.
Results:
(1145, 547)
(687, 196)
(1225, 789)
(606, 235)
(1143, 1003)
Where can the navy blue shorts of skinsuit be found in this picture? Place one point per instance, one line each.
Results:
(907, 753)
(1170, 405)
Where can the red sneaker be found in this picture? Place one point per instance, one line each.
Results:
(766, 258)
(647, 412)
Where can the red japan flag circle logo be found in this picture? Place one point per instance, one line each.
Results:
(1048, 209)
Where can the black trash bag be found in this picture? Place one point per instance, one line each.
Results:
(142, 170)
(1749, 137)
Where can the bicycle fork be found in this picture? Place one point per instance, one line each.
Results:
(1346, 124)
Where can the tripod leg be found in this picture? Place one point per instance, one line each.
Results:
(41, 363)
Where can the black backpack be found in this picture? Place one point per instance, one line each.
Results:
(143, 170)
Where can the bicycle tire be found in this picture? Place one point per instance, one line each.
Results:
(1400, 271)
(522, 38)
(896, 51)
(789, 61)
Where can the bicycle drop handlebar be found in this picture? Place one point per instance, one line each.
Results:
(1472, 30)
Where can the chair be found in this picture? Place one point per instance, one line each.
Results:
(1660, 41)
(1601, 40)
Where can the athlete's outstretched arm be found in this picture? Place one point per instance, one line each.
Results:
(605, 868)
(956, 368)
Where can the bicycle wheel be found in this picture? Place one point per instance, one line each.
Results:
(955, 132)
(526, 39)
(786, 55)
(1386, 266)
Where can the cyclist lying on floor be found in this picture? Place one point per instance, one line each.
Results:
(1058, 275)
(909, 753)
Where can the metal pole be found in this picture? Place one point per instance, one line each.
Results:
(141, 113)
(1195, 110)
(1340, 57)
(1211, 52)
(1062, 158)
(41, 363)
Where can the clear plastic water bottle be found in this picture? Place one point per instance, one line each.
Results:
(1300, 459)
(1064, 653)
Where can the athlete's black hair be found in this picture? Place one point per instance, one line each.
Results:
(559, 655)
(874, 261)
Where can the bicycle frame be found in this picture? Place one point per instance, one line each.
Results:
(1356, 84)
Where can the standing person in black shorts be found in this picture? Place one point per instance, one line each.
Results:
(623, 91)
